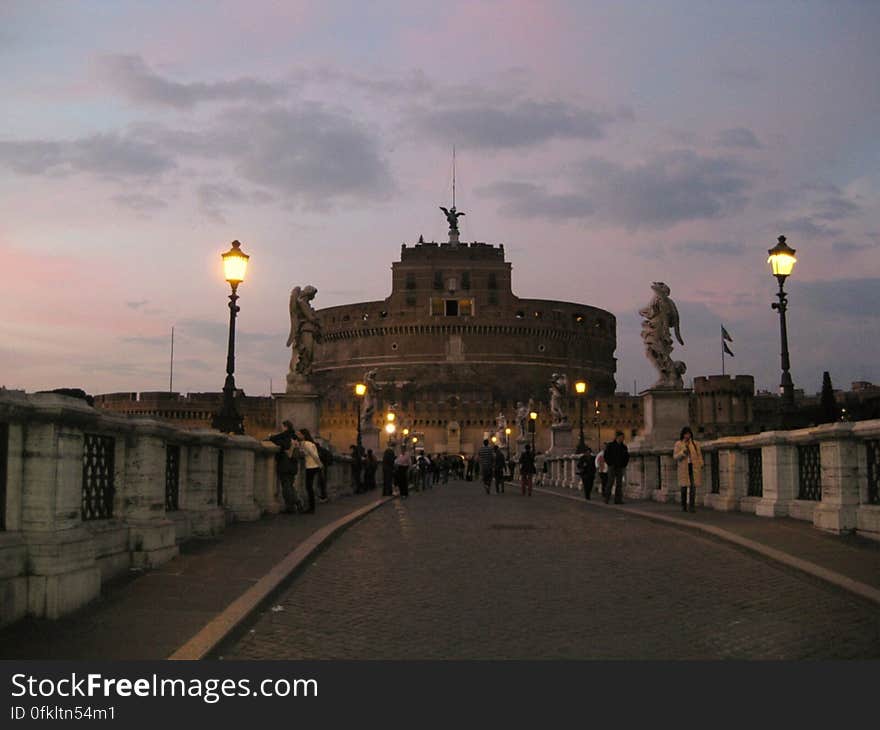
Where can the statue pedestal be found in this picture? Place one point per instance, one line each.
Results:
(370, 439)
(299, 405)
(666, 412)
(561, 438)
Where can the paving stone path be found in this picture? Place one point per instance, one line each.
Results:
(455, 574)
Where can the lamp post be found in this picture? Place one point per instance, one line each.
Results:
(229, 420)
(782, 261)
(359, 391)
(598, 433)
(580, 387)
(403, 442)
(533, 417)
(507, 432)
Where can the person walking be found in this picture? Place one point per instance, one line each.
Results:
(370, 467)
(527, 469)
(357, 464)
(586, 467)
(401, 472)
(469, 472)
(313, 465)
(444, 468)
(326, 456)
(287, 466)
(387, 472)
(616, 457)
(498, 466)
(689, 456)
(602, 471)
(486, 460)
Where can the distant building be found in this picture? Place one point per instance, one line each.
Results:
(453, 346)
(193, 410)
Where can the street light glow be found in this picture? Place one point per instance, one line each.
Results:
(360, 389)
(580, 387)
(390, 428)
(781, 258)
(235, 263)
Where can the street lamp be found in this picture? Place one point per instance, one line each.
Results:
(405, 439)
(507, 432)
(580, 387)
(229, 420)
(782, 262)
(390, 426)
(533, 416)
(359, 390)
(494, 440)
(598, 433)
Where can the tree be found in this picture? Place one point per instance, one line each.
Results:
(828, 410)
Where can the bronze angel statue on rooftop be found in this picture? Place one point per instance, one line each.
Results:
(452, 216)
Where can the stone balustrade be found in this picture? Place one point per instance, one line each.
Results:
(829, 475)
(86, 495)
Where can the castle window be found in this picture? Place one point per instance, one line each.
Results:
(438, 280)
(410, 300)
(452, 307)
(466, 280)
(466, 307)
(383, 314)
(493, 296)
(520, 314)
(410, 281)
(539, 315)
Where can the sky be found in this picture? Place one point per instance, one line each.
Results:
(606, 145)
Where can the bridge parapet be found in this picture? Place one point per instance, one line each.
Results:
(86, 495)
(828, 474)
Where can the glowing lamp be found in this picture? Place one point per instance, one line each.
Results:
(580, 387)
(235, 263)
(390, 428)
(781, 259)
(360, 389)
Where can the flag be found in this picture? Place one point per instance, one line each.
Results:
(725, 335)
(726, 348)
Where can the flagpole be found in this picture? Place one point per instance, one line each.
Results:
(722, 350)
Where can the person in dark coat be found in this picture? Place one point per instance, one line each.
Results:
(527, 469)
(370, 467)
(469, 473)
(357, 464)
(616, 457)
(387, 471)
(498, 469)
(287, 466)
(586, 467)
(486, 462)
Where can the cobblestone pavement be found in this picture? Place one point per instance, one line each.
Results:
(457, 574)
